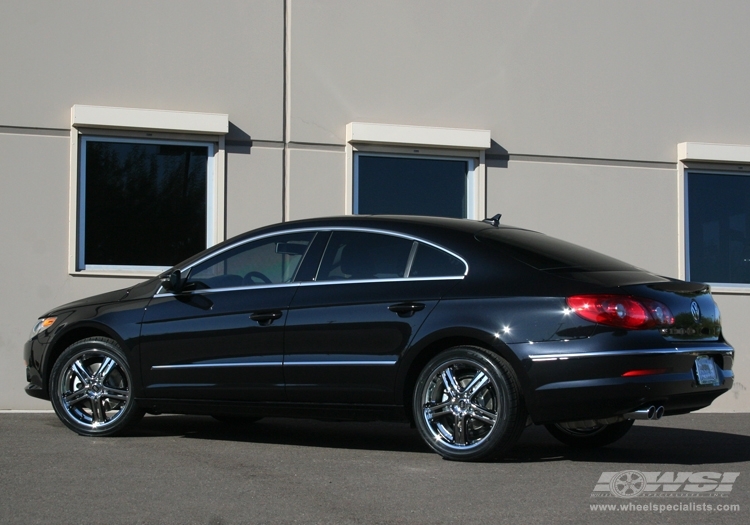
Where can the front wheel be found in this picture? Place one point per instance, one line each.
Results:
(592, 437)
(468, 405)
(92, 388)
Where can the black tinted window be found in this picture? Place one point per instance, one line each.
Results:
(360, 255)
(719, 227)
(432, 262)
(547, 253)
(411, 186)
(143, 204)
(273, 260)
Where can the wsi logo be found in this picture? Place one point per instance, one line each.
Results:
(634, 483)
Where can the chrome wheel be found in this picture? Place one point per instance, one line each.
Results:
(467, 405)
(92, 388)
(461, 404)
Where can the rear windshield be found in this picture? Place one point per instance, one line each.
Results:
(550, 254)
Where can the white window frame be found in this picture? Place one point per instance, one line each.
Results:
(472, 175)
(143, 126)
(421, 142)
(706, 157)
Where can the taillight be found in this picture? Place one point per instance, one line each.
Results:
(621, 311)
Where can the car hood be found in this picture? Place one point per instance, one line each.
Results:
(138, 291)
(108, 297)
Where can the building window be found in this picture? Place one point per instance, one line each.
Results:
(147, 188)
(143, 204)
(413, 185)
(718, 227)
(714, 185)
(416, 170)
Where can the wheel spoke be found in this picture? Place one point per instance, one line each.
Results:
(75, 397)
(479, 381)
(459, 430)
(435, 411)
(107, 365)
(115, 393)
(78, 369)
(451, 385)
(483, 414)
(97, 411)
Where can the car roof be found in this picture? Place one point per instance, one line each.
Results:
(396, 222)
(447, 230)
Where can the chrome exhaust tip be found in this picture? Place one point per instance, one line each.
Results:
(658, 413)
(643, 413)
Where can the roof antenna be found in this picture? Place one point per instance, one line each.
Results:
(495, 221)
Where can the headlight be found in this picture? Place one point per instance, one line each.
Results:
(42, 324)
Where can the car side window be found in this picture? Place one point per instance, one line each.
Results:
(352, 255)
(272, 260)
(432, 262)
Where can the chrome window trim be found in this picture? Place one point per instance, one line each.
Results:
(388, 280)
(316, 230)
(620, 353)
(161, 293)
(411, 254)
(246, 241)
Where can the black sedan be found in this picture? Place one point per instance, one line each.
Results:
(471, 330)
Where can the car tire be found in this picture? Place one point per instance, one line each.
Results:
(91, 388)
(591, 437)
(468, 405)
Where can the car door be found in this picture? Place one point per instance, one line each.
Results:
(222, 337)
(346, 330)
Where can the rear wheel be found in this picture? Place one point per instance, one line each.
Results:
(592, 437)
(92, 388)
(468, 405)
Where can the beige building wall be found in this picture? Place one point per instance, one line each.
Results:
(183, 55)
(585, 101)
(580, 78)
(606, 207)
(317, 181)
(254, 187)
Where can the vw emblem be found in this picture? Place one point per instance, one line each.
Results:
(695, 310)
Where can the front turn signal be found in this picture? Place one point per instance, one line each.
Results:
(41, 325)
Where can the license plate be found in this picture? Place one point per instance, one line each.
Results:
(705, 369)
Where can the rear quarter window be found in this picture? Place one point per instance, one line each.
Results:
(432, 262)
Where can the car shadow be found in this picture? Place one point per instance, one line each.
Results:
(644, 444)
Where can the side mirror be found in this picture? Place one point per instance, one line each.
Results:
(173, 282)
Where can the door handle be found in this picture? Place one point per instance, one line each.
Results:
(406, 309)
(265, 318)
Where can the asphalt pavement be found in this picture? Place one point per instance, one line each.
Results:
(194, 470)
